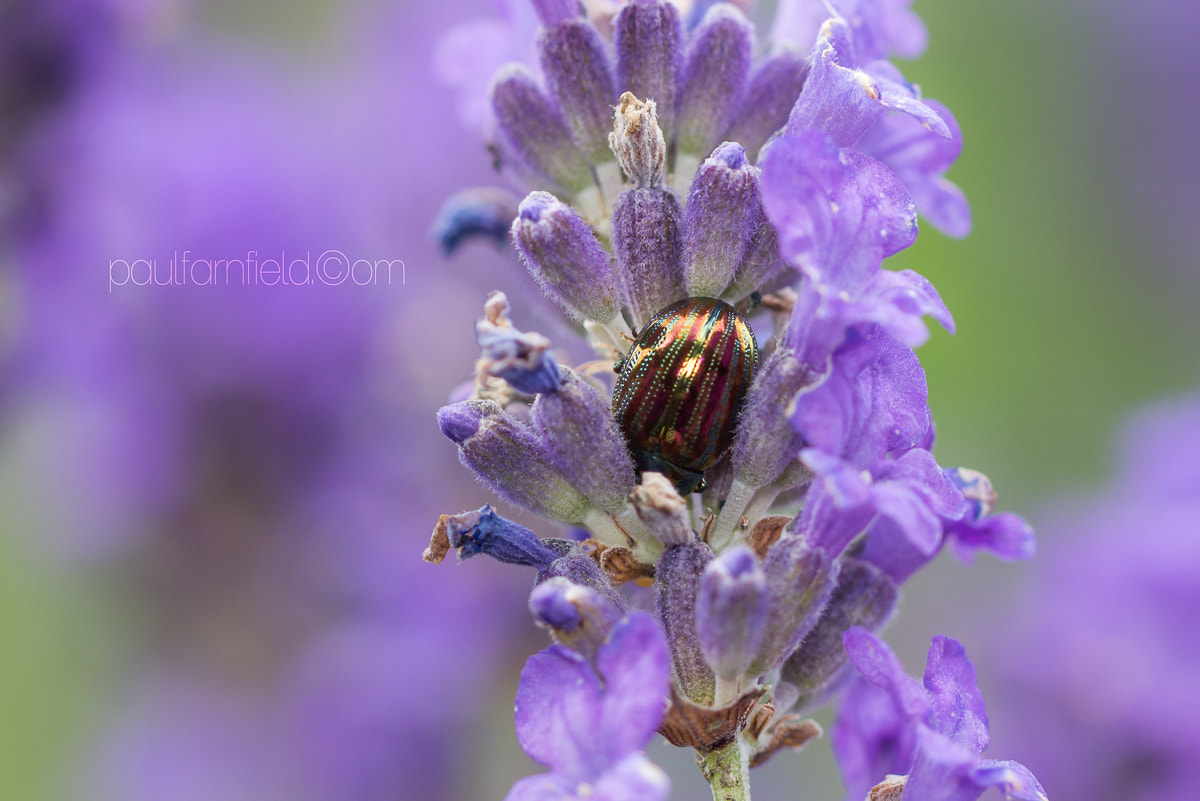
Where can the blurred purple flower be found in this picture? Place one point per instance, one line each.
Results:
(251, 459)
(1097, 668)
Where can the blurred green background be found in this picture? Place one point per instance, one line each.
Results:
(1069, 315)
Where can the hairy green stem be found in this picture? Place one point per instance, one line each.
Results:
(727, 770)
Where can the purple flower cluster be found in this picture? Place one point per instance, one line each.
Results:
(668, 162)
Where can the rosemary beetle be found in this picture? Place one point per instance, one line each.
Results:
(679, 391)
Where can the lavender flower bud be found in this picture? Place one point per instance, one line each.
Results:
(579, 75)
(579, 617)
(578, 566)
(760, 262)
(533, 128)
(731, 611)
(662, 509)
(480, 213)
(646, 243)
(484, 531)
(522, 359)
(563, 255)
(510, 458)
(719, 220)
(800, 580)
(769, 97)
(714, 77)
(638, 142)
(864, 596)
(765, 441)
(648, 37)
(678, 582)
(577, 425)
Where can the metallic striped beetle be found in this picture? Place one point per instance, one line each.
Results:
(679, 391)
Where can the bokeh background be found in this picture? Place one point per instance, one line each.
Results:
(213, 499)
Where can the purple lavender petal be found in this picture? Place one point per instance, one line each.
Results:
(1013, 779)
(635, 667)
(873, 402)
(844, 100)
(880, 667)
(1006, 536)
(558, 701)
(921, 158)
(958, 709)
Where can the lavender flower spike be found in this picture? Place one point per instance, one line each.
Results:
(890, 725)
(589, 720)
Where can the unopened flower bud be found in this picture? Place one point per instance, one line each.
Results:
(769, 97)
(533, 128)
(719, 220)
(508, 456)
(646, 243)
(714, 77)
(563, 255)
(577, 425)
(648, 36)
(731, 611)
(552, 12)
(678, 582)
(800, 580)
(662, 509)
(864, 596)
(579, 75)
